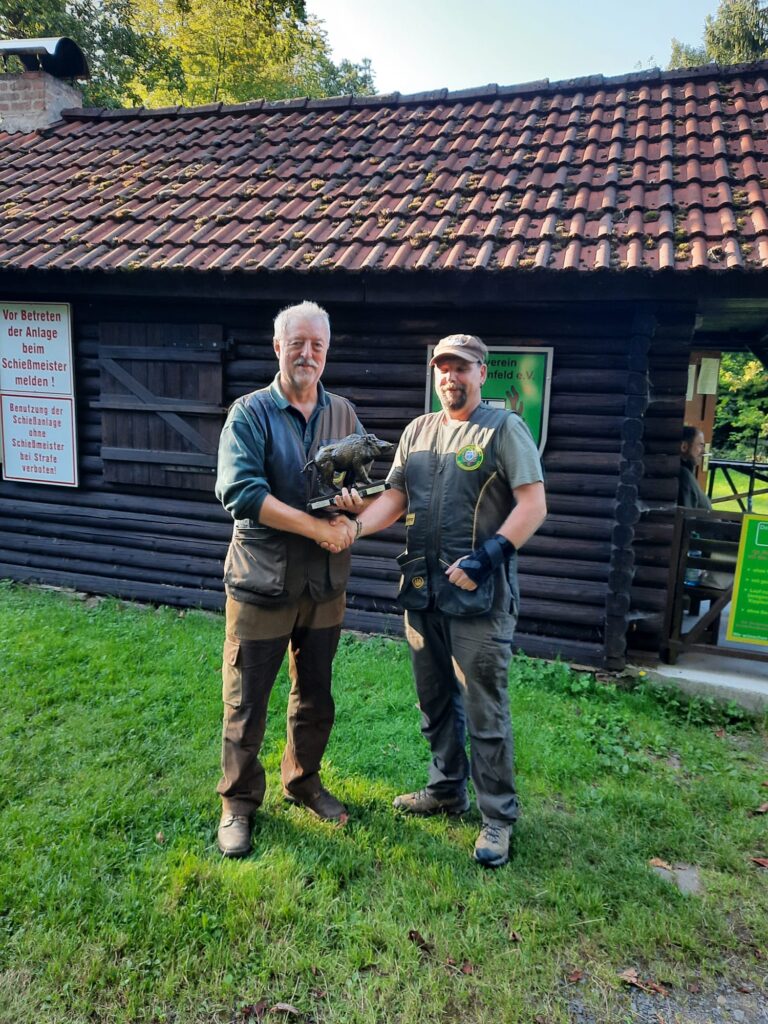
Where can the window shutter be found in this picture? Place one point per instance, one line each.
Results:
(161, 404)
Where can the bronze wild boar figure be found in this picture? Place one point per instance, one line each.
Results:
(350, 456)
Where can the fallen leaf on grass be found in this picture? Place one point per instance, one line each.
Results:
(315, 970)
(631, 977)
(421, 942)
(693, 987)
(720, 733)
(256, 1010)
(160, 837)
(467, 968)
(318, 993)
(762, 809)
(515, 936)
(657, 862)
(762, 862)
(574, 976)
(285, 1008)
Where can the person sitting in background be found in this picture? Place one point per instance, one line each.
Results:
(689, 493)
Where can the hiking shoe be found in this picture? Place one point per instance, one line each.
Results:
(321, 803)
(234, 835)
(422, 802)
(492, 846)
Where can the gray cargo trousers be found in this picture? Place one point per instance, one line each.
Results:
(461, 668)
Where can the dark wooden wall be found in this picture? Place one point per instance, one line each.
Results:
(583, 580)
(668, 376)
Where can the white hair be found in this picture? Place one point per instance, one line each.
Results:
(305, 308)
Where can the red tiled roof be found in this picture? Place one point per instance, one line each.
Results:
(653, 170)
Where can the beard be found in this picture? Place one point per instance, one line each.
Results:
(453, 398)
(300, 372)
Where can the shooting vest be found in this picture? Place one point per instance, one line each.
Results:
(456, 501)
(268, 567)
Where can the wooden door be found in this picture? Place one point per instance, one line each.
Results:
(161, 402)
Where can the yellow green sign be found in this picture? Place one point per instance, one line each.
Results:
(748, 620)
(518, 379)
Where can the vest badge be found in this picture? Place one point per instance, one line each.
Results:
(418, 582)
(469, 457)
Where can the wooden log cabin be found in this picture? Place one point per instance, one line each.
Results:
(621, 222)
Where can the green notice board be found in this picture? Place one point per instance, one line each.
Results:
(518, 379)
(748, 620)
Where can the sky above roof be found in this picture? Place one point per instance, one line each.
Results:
(417, 45)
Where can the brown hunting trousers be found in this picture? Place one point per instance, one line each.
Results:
(256, 641)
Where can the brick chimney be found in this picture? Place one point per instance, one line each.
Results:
(34, 99)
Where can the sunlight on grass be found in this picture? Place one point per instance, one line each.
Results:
(741, 482)
(116, 907)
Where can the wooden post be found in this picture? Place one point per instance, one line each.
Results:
(627, 508)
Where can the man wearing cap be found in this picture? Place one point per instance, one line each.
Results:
(469, 479)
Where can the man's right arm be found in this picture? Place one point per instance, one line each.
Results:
(243, 488)
(382, 512)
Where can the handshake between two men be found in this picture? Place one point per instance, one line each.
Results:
(339, 531)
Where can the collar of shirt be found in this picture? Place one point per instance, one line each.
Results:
(306, 429)
(282, 402)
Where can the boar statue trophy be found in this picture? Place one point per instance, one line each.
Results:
(346, 463)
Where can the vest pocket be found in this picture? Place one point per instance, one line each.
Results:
(452, 600)
(256, 561)
(414, 583)
(338, 570)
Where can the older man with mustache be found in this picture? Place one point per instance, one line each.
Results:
(285, 575)
(470, 480)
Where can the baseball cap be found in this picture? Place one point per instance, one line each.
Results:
(463, 346)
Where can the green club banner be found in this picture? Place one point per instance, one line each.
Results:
(748, 619)
(519, 379)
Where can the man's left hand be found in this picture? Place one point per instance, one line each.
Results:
(458, 577)
(349, 500)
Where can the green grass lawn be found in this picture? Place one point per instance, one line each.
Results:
(721, 489)
(116, 907)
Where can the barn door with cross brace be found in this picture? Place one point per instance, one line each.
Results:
(161, 404)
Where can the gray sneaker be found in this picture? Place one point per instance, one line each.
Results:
(234, 835)
(492, 846)
(424, 803)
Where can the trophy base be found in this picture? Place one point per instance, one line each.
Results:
(317, 504)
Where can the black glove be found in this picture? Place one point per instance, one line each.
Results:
(481, 563)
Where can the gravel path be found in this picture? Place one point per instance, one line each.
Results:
(725, 1004)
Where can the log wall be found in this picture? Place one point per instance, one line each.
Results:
(668, 357)
(597, 558)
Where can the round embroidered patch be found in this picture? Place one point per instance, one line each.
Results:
(418, 582)
(469, 457)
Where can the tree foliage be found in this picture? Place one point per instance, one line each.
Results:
(157, 52)
(737, 33)
(236, 50)
(742, 404)
(123, 59)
